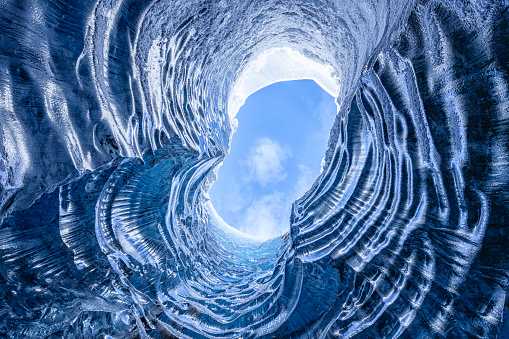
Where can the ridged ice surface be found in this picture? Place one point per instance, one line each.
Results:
(114, 118)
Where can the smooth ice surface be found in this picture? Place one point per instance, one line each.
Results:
(115, 115)
(275, 156)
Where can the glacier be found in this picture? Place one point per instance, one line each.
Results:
(115, 115)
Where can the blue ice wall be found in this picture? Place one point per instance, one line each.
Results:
(114, 119)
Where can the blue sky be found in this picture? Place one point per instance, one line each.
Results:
(275, 156)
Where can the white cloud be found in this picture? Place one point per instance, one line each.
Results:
(305, 180)
(265, 162)
(267, 217)
(239, 196)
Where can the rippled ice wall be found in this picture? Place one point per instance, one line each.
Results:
(114, 118)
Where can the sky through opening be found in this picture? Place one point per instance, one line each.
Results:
(275, 156)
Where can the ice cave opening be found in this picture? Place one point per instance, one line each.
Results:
(275, 156)
(115, 115)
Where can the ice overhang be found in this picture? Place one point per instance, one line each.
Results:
(275, 65)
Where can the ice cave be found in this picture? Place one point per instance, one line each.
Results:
(115, 116)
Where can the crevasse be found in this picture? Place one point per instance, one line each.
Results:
(116, 114)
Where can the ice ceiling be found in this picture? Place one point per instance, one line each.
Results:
(115, 115)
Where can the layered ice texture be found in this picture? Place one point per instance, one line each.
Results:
(116, 114)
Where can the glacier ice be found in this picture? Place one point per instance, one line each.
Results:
(115, 115)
